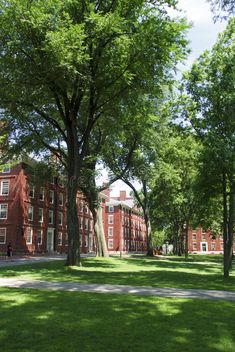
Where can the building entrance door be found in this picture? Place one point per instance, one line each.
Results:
(50, 240)
(204, 247)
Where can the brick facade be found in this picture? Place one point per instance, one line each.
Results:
(33, 218)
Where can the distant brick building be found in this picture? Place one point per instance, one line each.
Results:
(201, 241)
(33, 218)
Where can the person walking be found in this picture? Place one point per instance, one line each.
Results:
(9, 251)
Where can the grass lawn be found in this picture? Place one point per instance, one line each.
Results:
(203, 272)
(32, 321)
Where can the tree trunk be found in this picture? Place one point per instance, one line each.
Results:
(230, 224)
(186, 241)
(148, 234)
(102, 250)
(73, 257)
(225, 228)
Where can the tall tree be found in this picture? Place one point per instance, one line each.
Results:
(68, 68)
(210, 83)
(222, 8)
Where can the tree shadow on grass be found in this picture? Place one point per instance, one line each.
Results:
(33, 321)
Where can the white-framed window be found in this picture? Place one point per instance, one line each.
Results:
(194, 246)
(39, 236)
(3, 235)
(6, 170)
(81, 207)
(5, 188)
(85, 224)
(51, 196)
(86, 241)
(110, 232)
(86, 209)
(31, 191)
(60, 218)
(42, 193)
(111, 208)
(59, 239)
(110, 244)
(194, 237)
(40, 215)
(81, 223)
(31, 209)
(29, 235)
(51, 217)
(110, 219)
(3, 211)
(61, 199)
(213, 246)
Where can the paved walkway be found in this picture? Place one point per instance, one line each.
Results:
(103, 288)
(118, 289)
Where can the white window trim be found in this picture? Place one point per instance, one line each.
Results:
(61, 199)
(42, 215)
(31, 235)
(51, 199)
(109, 219)
(110, 241)
(42, 194)
(3, 229)
(110, 231)
(8, 182)
(6, 211)
(111, 208)
(51, 217)
(32, 188)
(32, 212)
(60, 218)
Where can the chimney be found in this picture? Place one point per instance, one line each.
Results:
(106, 191)
(122, 195)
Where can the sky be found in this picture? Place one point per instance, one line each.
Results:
(202, 36)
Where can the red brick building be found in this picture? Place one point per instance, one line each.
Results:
(124, 225)
(201, 241)
(33, 218)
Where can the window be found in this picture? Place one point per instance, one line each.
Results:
(51, 197)
(110, 244)
(5, 188)
(2, 235)
(6, 170)
(81, 223)
(59, 239)
(86, 224)
(86, 241)
(40, 215)
(110, 231)
(111, 208)
(31, 191)
(194, 246)
(81, 207)
(3, 211)
(213, 246)
(30, 216)
(29, 235)
(51, 217)
(61, 199)
(203, 236)
(39, 236)
(194, 237)
(110, 219)
(60, 218)
(86, 209)
(42, 193)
